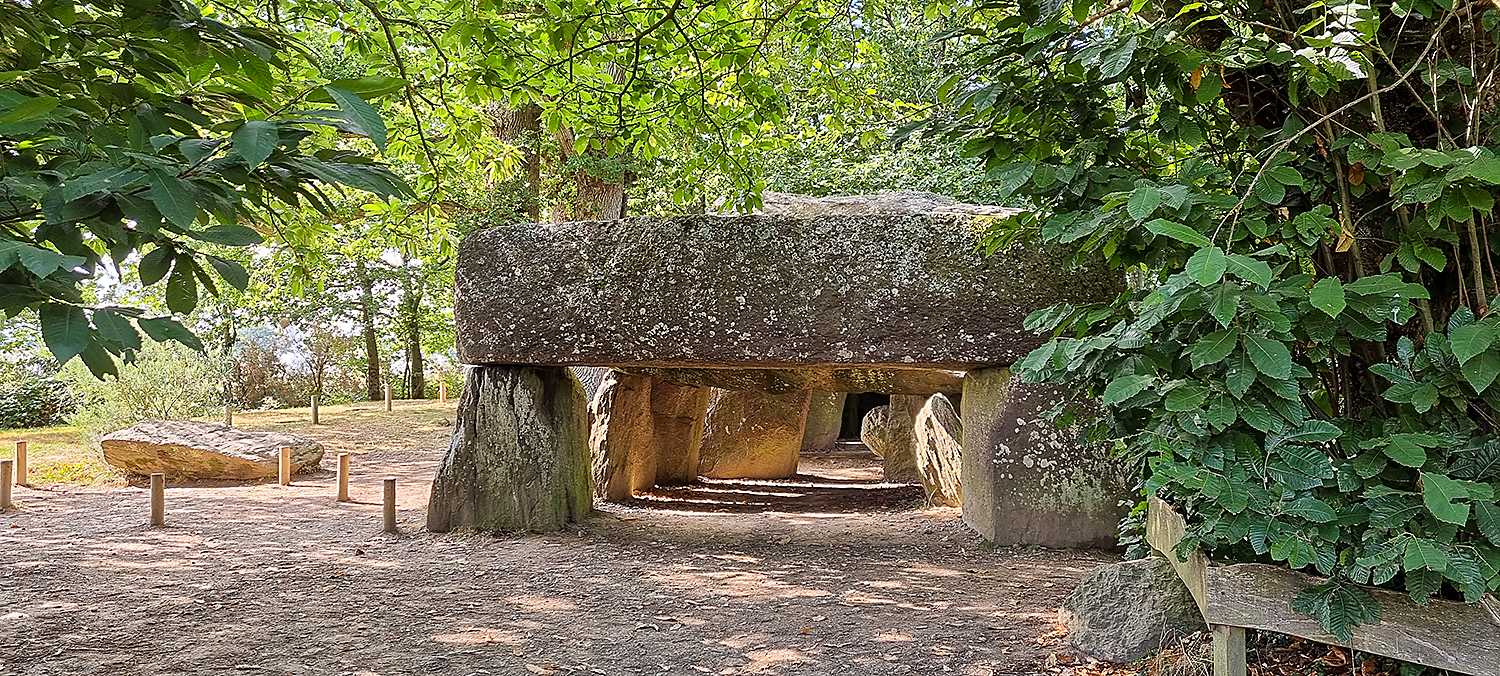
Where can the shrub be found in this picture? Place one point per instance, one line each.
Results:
(166, 380)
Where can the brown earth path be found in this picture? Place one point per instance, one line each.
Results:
(829, 574)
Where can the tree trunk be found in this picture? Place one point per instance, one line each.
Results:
(416, 382)
(523, 128)
(367, 327)
(519, 457)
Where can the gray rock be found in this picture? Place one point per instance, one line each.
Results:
(1025, 480)
(620, 437)
(890, 202)
(890, 432)
(1123, 612)
(825, 416)
(939, 452)
(766, 291)
(519, 457)
(782, 381)
(753, 435)
(874, 430)
(184, 449)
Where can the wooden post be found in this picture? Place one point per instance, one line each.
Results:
(6, 467)
(158, 499)
(284, 473)
(442, 393)
(343, 477)
(315, 409)
(228, 416)
(1229, 650)
(390, 506)
(22, 476)
(387, 396)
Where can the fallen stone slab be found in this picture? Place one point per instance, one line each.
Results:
(761, 291)
(185, 449)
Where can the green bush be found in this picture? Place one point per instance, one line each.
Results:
(33, 402)
(166, 380)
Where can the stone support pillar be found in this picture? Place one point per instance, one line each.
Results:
(1025, 481)
(519, 457)
(825, 416)
(753, 435)
(678, 413)
(900, 455)
(620, 439)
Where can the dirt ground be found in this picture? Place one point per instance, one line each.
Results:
(828, 573)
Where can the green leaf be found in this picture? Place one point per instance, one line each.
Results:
(162, 329)
(1480, 371)
(39, 261)
(1405, 450)
(1439, 493)
(1469, 341)
(65, 330)
(1328, 295)
(1207, 265)
(1186, 398)
(1487, 516)
(230, 271)
(1310, 508)
(228, 235)
(182, 289)
(173, 198)
(1224, 304)
(1423, 553)
(1214, 347)
(1125, 387)
(31, 109)
(1143, 202)
(1270, 356)
(1181, 233)
(115, 327)
(1116, 60)
(1251, 270)
(1313, 431)
(155, 265)
(97, 359)
(362, 114)
(1240, 376)
(255, 141)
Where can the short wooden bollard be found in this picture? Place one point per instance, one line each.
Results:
(1229, 651)
(6, 467)
(284, 469)
(343, 477)
(228, 417)
(315, 409)
(158, 499)
(390, 506)
(22, 477)
(387, 397)
(442, 393)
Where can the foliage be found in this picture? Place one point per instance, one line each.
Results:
(1301, 197)
(166, 380)
(144, 126)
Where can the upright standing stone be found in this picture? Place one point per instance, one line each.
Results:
(825, 416)
(620, 437)
(519, 457)
(1025, 480)
(678, 413)
(753, 435)
(890, 432)
(939, 452)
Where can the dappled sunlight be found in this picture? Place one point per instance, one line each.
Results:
(536, 603)
(762, 661)
(481, 636)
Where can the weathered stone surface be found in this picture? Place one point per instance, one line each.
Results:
(591, 377)
(899, 460)
(939, 451)
(825, 415)
(519, 458)
(753, 435)
(764, 291)
(874, 430)
(1125, 611)
(620, 438)
(1026, 481)
(183, 449)
(678, 414)
(782, 381)
(890, 202)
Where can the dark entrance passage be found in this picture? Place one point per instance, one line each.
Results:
(855, 408)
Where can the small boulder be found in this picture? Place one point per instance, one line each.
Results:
(184, 449)
(939, 457)
(1125, 611)
(890, 432)
(753, 435)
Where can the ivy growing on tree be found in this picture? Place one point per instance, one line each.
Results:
(1301, 196)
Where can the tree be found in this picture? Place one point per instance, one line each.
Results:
(147, 127)
(1301, 197)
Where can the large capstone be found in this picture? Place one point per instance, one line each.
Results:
(519, 457)
(783, 381)
(1123, 612)
(760, 291)
(184, 449)
(1027, 481)
(753, 435)
(939, 438)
